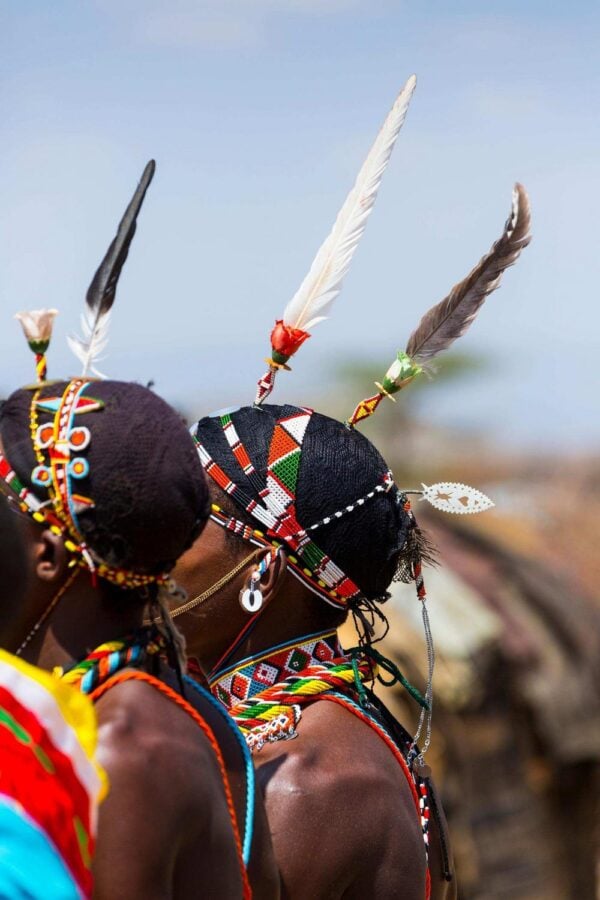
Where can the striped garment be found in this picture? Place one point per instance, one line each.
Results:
(50, 785)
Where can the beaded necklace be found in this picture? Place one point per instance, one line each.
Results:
(109, 658)
(265, 696)
(147, 644)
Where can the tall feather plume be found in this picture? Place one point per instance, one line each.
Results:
(449, 319)
(101, 293)
(314, 298)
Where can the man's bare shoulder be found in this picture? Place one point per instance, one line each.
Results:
(339, 774)
(338, 749)
(143, 731)
(165, 821)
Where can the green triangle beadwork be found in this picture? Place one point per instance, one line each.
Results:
(286, 470)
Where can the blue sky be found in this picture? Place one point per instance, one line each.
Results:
(259, 113)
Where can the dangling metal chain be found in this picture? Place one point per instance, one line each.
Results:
(426, 714)
(221, 583)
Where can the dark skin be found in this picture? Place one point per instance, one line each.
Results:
(343, 821)
(12, 569)
(164, 829)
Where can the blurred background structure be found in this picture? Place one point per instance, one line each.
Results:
(516, 622)
(259, 113)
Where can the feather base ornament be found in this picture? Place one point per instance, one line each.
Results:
(277, 362)
(265, 385)
(285, 341)
(454, 497)
(402, 371)
(37, 327)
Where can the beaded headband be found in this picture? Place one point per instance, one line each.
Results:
(58, 446)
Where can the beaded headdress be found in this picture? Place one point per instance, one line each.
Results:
(271, 500)
(271, 497)
(273, 504)
(52, 493)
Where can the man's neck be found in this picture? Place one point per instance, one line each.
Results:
(243, 679)
(290, 616)
(83, 619)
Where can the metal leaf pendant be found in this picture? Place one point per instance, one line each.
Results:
(450, 497)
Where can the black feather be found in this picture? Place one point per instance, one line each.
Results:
(101, 292)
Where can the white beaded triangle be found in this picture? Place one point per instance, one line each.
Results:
(450, 497)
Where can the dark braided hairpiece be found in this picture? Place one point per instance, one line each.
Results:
(418, 548)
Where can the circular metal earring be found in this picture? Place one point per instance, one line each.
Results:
(251, 598)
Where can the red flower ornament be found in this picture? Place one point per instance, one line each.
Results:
(285, 341)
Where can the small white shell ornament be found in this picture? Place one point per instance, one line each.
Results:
(450, 497)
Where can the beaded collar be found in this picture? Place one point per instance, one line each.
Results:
(246, 679)
(265, 695)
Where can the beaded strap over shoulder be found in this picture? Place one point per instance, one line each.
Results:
(135, 675)
(248, 765)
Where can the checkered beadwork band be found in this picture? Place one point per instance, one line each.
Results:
(243, 681)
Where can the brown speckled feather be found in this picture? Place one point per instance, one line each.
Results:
(450, 318)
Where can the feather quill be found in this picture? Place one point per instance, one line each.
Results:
(100, 297)
(313, 300)
(449, 319)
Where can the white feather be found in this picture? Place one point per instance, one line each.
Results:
(89, 348)
(312, 301)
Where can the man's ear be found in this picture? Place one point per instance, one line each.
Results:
(272, 580)
(50, 558)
